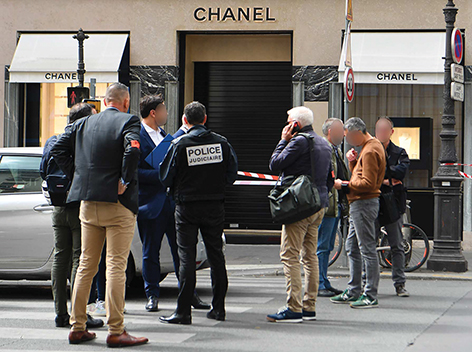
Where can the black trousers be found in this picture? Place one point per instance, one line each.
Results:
(208, 216)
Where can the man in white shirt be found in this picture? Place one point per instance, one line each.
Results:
(156, 133)
(156, 208)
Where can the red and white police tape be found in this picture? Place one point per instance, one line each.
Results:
(463, 174)
(256, 175)
(273, 179)
(455, 164)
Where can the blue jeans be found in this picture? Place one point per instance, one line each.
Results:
(326, 238)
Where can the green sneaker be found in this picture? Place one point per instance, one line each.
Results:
(343, 298)
(364, 302)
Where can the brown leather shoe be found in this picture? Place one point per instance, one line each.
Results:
(125, 340)
(76, 337)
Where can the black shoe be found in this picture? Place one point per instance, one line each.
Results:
(212, 314)
(401, 291)
(93, 323)
(152, 304)
(308, 316)
(62, 321)
(177, 318)
(197, 303)
(335, 291)
(326, 293)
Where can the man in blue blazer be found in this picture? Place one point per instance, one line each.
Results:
(156, 208)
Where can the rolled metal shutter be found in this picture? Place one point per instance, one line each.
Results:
(246, 102)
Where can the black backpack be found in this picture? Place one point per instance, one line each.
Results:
(57, 184)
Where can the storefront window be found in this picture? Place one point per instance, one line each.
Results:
(407, 101)
(409, 139)
(54, 110)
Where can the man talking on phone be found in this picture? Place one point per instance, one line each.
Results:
(292, 156)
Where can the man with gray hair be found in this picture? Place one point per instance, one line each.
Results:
(363, 191)
(333, 130)
(292, 157)
(102, 152)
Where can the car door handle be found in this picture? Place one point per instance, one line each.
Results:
(43, 208)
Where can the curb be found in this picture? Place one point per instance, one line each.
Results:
(277, 270)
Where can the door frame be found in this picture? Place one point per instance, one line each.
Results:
(182, 44)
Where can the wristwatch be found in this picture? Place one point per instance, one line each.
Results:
(124, 183)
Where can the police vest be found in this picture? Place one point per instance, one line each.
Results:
(202, 161)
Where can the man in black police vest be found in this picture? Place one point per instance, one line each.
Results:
(197, 168)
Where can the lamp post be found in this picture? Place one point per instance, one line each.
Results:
(447, 183)
(81, 36)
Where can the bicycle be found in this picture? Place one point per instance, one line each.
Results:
(415, 242)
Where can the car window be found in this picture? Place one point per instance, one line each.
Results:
(20, 173)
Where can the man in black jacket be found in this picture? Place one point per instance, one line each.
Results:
(101, 152)
(197, 168)
(299, 239)
(397, 168)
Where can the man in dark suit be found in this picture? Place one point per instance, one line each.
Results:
(101, 152)
(156, 208)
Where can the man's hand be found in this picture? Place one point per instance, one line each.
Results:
(351, 155)
(338, 184)
(287, 132)
(394, 182)
(121, 188)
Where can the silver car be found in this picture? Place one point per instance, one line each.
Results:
(26, 235)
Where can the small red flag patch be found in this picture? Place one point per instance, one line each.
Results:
(332, 174)
(135, 144)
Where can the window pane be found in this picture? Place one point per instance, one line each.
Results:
(54, 110)
(407, 101)
(20, 174)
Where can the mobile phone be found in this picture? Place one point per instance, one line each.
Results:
(296, 127)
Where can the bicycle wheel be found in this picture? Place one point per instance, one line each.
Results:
(416, 245)
(384, 250)
(418, 252)
(338, 247)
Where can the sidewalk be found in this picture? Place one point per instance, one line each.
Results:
(263, 260)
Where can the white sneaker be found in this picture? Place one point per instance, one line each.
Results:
(97, 309)
(91, 308)
(101, 310)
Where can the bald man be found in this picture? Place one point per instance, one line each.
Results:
(100, 153)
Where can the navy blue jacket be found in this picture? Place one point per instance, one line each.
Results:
(152, 193)
(293, 158)
(49, 166)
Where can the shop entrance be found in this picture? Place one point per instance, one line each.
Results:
(28, 127)
(245, 81)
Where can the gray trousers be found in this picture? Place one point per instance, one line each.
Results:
(66, 225)
(361, 244)
(395, 240)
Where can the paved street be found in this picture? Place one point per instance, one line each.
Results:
(437, 317)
